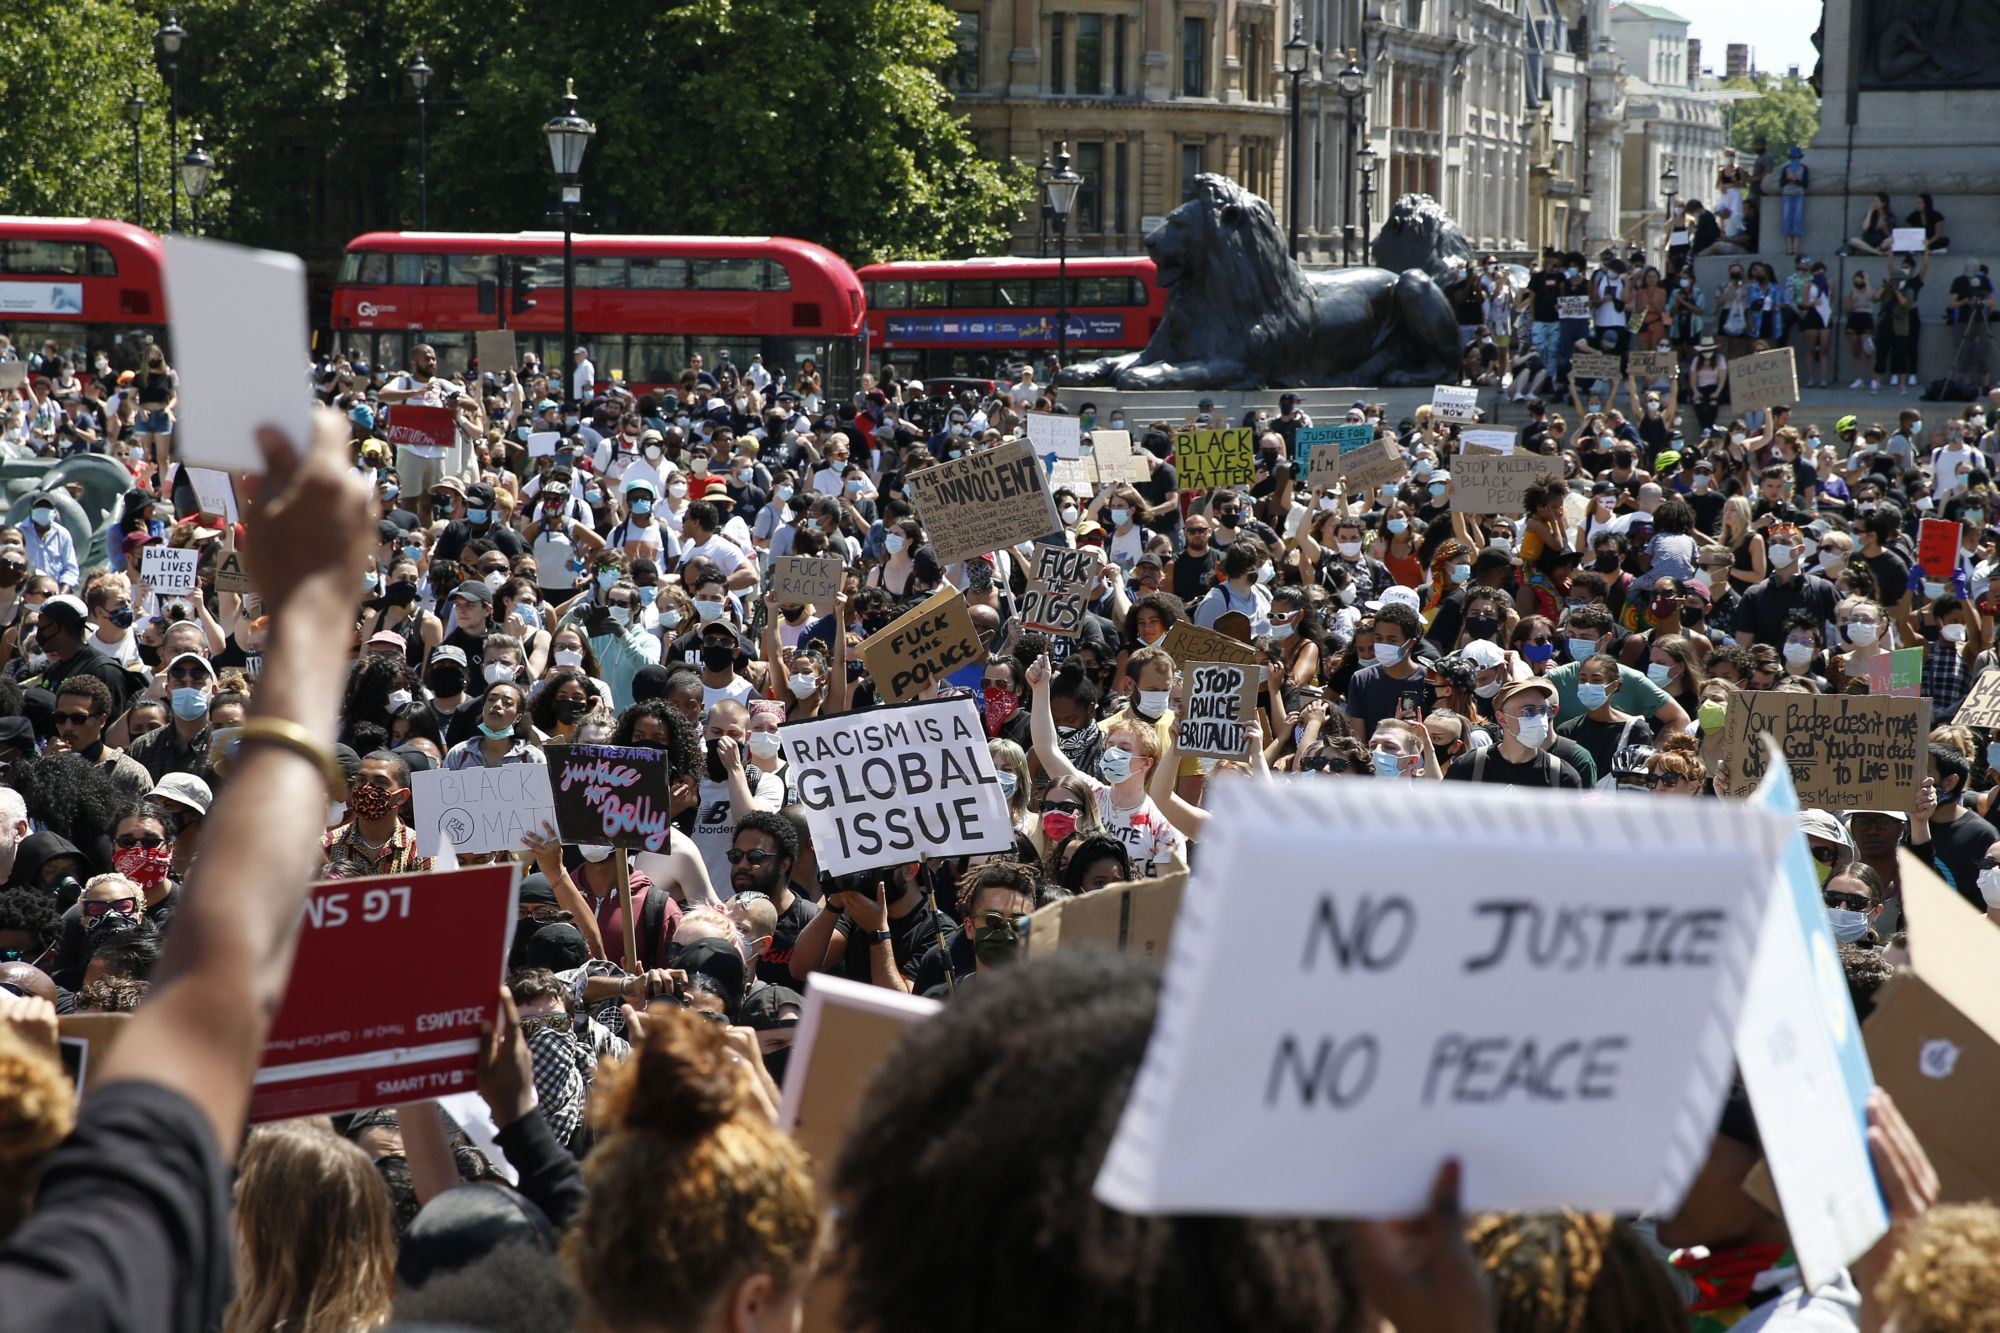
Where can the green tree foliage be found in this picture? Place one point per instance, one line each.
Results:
(1785, 112)
(64, 139)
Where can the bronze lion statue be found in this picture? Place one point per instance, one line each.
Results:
(1241, 314)
(1419, 234)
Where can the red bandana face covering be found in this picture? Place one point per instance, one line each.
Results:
(1000, 705)
(145, 866)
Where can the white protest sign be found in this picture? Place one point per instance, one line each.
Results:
(172, 571)
(239, 322)
(542, 443)
(1055, 433)
(1907, 240)
(1799, 1046)
(1499, 441)
(1454, 404)
(1572, 307)
(1675, 240)
(481, 809)
(887, 785)
(1498, 1007)
(214, 492)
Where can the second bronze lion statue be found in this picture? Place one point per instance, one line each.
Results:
(1242, 315)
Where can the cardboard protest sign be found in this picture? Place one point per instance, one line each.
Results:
(1449, 403)
(983, 501)
(230, 576)
(1764, 379)
(1116, 461)
(1981, 708)
(845, 1033)
(411, 1032)
(1377, 463)
(1136, 916)
(1799, 1047)
(1585, 366)
(1937, 549)
(1934, 1038)
(1346, 436)
(1447, 1023)
(1077, 475)
(807, 580)
(1208, 458)
(1493, 441)
(923, 645)
(423, 427)
(887, 785)
(481, 809)
(1484, 483)
(1907, 240)
(215, 492)
(1189, 642)
(240, 338)
(1055, 599)
(171, 571)
(13, 375)
(1661, 364)
(1572, 307)
(1899, 673)
(612, 794)
(1055, 433)
(1845, 751)
(544, 443)
(1214, 721)
(496, 350)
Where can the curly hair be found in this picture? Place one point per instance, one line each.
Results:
(37, 1111)
(1569, 1272)
(32, 912)
(692, 1188)
(1943, 1280)
(72, 797)
(685, 753)
(1051, 1042)
(112, 995)
(1023, 879)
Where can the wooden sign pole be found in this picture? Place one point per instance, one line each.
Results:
(622, 863)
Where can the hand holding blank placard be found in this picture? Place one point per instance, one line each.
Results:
(239, 321)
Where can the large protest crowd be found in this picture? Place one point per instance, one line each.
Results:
(571, 574)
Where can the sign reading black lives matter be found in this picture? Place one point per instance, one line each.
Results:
(886, 785)
(611, 794)
(1054, 602)
(1215, 722)
(984, 501)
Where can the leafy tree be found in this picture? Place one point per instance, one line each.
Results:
(63, 134)
(1785, 112)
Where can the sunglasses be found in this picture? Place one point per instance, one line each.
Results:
(105, 906)
(73, 719)
(1061, 807)
(736, 856)
(1823, 855)
(148, 841)
(21, 956)
(1853, 902)
(1324, 766)
(548, 1023)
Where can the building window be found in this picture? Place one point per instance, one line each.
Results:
(1058, 56)
(1194, 58)
(1118, 56)
(1090, 198)
(961, 73)
(1090, 54)
(1118, 187)
(1190, 167)
(1253, 70)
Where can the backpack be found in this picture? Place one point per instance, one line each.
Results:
(1551, 775)
(652, 925)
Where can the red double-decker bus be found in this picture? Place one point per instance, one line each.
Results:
(644, 304)
(980, 317)
(86, 285)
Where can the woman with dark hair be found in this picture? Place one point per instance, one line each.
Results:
(1087, 862)
(71, 797)
(377, 685)
(565, 697)
(901, 540)
(1932, 221)
(1296, 627)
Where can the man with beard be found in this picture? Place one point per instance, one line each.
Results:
(761, 857)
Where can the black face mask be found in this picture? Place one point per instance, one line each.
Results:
(400, 593)
(150, 655)
(718, 657)
(571, 710)
(1605, 564)
(1482, 627)
(122, 617)
(715, 769)
(794, 613)
(447, 681)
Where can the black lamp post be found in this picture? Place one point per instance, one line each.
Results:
(418, 76)
(135, 112)
(1061, 186)
(568, 135)
(1670, 188)
(1366, 159)
(197, 167)
(168, 40)
(1352, 84)
(1297, 52)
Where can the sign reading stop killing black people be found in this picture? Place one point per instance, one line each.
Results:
(983, 501)
(887, 785)
(615, 795)
(1495, 1007)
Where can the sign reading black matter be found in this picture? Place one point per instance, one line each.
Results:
(616, 795)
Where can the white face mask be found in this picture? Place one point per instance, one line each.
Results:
(593, 852)
(1487, 691)
(803, 685)
(1069, 513)
(1329, 502)
(1388, 654)
(1861, 633)
(1781, 557)
(1348, 550)
(764, 744)
(1953, 633)
(1798, 654)
(569, 657)
(1532, 731)
(677, 489)
(498, 672)
(1152, 703)
(400, 699)
(1282, 632)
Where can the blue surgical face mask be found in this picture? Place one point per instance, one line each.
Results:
(1993, 754)
(894, 543)
(413, 552)
(1461, 573)
(1399, 525)
(1848, 924)
(642, 507)
(1387, 765)
(190, 704)
(496, 733)
(1581, 649)
(1009, 784)
(1437, 490)
(648, 595)
(606, 577)
(1659, 672)
(785, 493)
(475, 515)
(1115, 765)
(1592, 694)
(670, 618)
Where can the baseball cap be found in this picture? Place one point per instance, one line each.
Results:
(196, 658)
(1605, 488)
(1397, 596)
(385, 638)
(1529, 684)
(472, 590)
(449, 652)
(72, 609)
(1483, 653)
(185, 789)
(640, 484)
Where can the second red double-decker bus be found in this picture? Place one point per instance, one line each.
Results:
(83, 285)
(980, 317)
(644, 304)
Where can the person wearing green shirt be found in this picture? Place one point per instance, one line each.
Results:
(1586, 631)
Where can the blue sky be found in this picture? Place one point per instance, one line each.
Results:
(1779, 31)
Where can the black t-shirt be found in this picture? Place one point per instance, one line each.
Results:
(1892, 575)
(1707, 506)
(775, 967)
(1960, 847)
(1544, 770)
(909, 936)
(451, 543)
(1163, 484)
(1764, 609)
(1543, 289)
(1193, 575)
(131, 1224)
(1372, 695)
(1604, 739)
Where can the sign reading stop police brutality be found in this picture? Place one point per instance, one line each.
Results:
(616, 795)
(923, 645)
(1493, 1006)
(886, 785)
(409, 1029)
(983, 501)
(1221, 700)
(436, 427)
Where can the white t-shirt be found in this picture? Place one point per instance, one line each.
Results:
(726, 556)
(736, 691)
(126, 649)
(1945, 463)
(1154, 844)
(1608, 288)
(715, 823)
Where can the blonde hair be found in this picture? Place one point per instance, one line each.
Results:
(315, 1234)
(1736, 514)
(692, 1188)
(37, 1111)
(1087, 819)
(1943, 1280)
(1011, 757)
